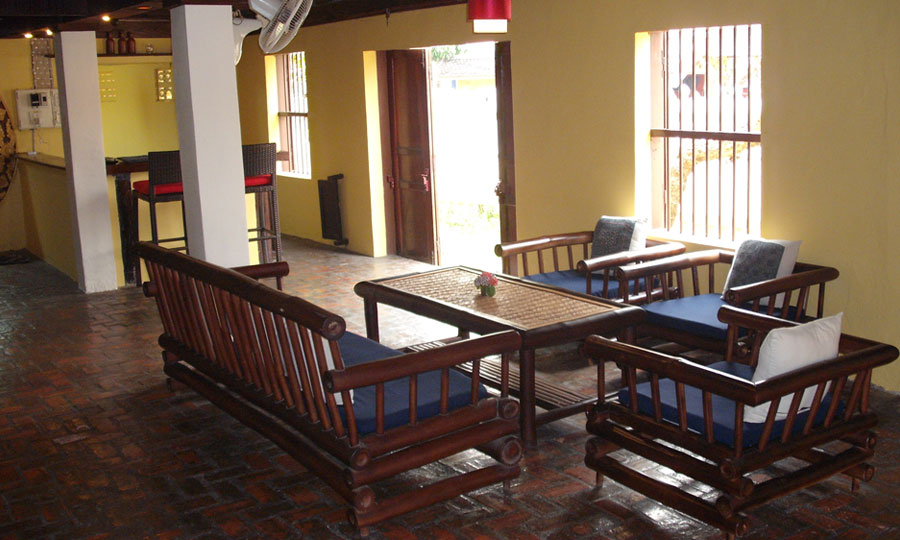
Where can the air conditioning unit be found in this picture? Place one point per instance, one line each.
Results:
(38, 108)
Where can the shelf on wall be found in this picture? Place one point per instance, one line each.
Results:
(145, 58)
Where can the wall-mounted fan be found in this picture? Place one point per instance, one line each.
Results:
(281, 20)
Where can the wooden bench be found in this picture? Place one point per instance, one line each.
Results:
(692, 419)
(351, 410)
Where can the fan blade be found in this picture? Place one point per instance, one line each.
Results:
(282, 28)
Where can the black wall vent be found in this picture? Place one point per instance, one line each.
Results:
(330, 209)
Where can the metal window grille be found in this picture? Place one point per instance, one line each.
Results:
(706, 137)
(293, 112)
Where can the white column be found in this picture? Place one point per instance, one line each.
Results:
(209, 133)
(82, 130)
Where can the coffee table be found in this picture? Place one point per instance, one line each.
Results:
(543, 316)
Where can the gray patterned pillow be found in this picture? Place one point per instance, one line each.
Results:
(760, 260)
(616, 234)
(755, 260)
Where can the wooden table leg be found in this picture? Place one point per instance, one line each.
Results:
(126, 220)
(526, 397)
(370, 308)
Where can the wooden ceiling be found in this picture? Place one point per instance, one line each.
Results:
(151, 18)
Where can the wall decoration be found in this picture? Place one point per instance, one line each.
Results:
(108, 86)
(7, 149)
(165, 86)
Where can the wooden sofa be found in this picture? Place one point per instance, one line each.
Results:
(690, 418)
(263, 357)
(585, 275)
(685, 312)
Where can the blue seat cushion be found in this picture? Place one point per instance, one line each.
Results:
(722, 407)
(697, 315)
(573, 280)
(356, 350)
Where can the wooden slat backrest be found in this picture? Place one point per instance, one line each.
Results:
(276, 343)
(281, 345)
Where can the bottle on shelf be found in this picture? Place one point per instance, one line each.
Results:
(110, 44)
(132, 44)
(123, 44)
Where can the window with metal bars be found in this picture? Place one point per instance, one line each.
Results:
(293, 111)
(705, 136)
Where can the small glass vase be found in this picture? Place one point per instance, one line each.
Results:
(488, 290)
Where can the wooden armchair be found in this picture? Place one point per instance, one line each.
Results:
(351, 410)
(585, 275)
(686, 410)
(687, 315)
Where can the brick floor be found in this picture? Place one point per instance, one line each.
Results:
(93, 445)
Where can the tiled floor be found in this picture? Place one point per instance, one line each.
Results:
(93, 445)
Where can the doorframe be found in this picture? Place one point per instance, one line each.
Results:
(506, 188)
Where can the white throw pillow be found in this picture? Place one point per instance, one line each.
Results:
(639, 237)
(789, 349)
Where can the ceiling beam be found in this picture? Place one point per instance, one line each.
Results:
(19, 16)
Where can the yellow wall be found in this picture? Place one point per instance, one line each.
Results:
(48, 216)
(831, 122)
(133, 124)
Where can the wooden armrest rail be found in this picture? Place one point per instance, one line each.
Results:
(772, 287)
(628, 257)
(551, 242)
(676, 262)
(733, 387)
(407, 365)
(264, 270)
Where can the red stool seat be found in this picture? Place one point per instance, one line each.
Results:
(143, 187)
(259, 180)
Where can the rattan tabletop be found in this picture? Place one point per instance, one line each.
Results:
(517, 303)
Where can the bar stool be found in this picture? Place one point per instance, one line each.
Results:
(259, 179)
(163, 184)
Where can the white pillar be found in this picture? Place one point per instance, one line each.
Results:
(209, 133)
(82, 130)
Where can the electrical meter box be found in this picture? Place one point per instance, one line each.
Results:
(38, 108)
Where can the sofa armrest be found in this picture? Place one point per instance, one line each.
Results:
(543, 242)
(628, 257)
(676, 262)
(656, 274)
(772, 287)
(408, 365)
(672, 367)
(265, 270)
(538, 247)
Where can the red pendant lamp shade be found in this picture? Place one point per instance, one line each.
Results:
(490, 9)
(490, 16)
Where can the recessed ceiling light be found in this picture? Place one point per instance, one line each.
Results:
(106, 18)
(28, 35)
(48, 32)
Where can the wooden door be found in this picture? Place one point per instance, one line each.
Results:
(506, 189)
(410, 179)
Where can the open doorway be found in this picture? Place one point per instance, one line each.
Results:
(464, 150)
(442, 158)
